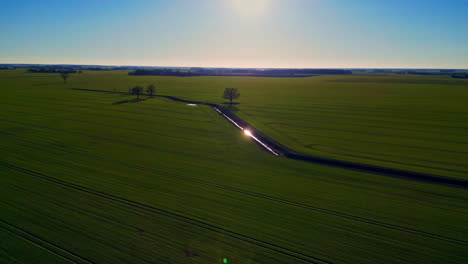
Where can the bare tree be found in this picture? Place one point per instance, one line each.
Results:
(231, 94)
(151, 89)
(137, 90)
(64, 76)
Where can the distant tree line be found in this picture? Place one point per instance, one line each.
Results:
(162, 72)
(238, 72)
(50, 70)
(7, 68)
(57, 68)
(104, 68)
(97, 69)
(440, 72)
(425, 73)
(267, 72)
(451, 73)
(460, 75)
(306, 71)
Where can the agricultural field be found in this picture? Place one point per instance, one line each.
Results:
(91, 177)
(415, 123)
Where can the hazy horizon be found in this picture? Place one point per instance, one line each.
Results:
(237, 33)
(194, 66)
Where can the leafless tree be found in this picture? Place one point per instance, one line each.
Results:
(64, 76)
(137, 90)
(231, 94)
(151, 89)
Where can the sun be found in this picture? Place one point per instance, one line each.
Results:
(250, 7)
(247, 132)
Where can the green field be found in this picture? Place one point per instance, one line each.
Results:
(90, 177)
(410, 122)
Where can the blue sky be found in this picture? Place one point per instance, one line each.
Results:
(237, 33)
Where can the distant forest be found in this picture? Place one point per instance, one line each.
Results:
(163, 72)
(239, 72)
(50, 70)
(460, 75)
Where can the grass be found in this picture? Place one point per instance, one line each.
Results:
(18, 250)
(409, 122)
(157, 181)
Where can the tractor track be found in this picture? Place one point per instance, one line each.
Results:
(43, 244)
(287, 153)
(177, 217)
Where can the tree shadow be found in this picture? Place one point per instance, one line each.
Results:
(231, 106)
(134, 100)
(42, 84)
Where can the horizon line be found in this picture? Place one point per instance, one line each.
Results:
(227, 67)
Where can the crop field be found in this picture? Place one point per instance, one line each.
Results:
(416, 123)
(92, 177)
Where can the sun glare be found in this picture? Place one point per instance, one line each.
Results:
(247, 132)
(250, 7)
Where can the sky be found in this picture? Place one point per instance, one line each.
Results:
(237, 33)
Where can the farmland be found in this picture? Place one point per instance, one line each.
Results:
(91, 177)
(409, 122)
